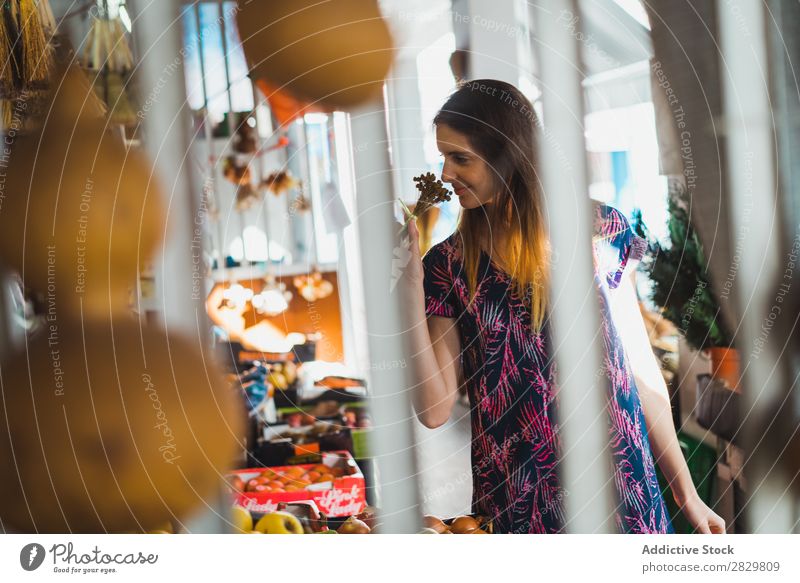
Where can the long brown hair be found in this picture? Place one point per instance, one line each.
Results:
(500, 124)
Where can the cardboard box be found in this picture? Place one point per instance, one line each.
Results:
(282, 444)
(343, 496)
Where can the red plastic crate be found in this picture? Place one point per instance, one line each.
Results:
(342, 496)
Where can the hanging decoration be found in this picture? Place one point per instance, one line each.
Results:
(283, 141)
(7, 61)
(26, 56)
(235, 172)
(246, 197)
(273, 299)
(279, 182)
(332, 53)
(301, 204)
(245, 140)
(313, 286)
(284, 106)
(107, 54)
(240, 175)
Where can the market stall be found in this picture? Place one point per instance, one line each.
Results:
(200, 251)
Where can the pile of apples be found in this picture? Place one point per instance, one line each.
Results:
(291, 479)
(459, 525)
(283, 522)
(282, 375)
(279, 522)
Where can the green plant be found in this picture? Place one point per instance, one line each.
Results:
(681, 285)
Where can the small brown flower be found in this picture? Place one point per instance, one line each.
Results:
(432, 192)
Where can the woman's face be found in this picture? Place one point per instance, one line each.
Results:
(471, 177)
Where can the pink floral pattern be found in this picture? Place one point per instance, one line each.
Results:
(509, 375)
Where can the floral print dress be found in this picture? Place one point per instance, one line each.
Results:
(509, 375)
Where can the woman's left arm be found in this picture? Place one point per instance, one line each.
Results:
(656, 405)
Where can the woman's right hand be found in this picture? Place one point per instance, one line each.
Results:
(407, 263)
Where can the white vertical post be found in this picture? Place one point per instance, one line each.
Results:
(495, 37)
(405, 125)
(157, 26)
(351, 290)
(209, 169)
(389, 401)
(750, 168)
(576, 322)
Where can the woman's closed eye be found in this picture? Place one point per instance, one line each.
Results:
(459, 159)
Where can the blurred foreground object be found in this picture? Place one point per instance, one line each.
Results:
(107, 433)
(81, 210)
(336, 52)
(110, 426)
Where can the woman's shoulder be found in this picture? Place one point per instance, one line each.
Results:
(608, 221)
(615, 242)
(447, 250)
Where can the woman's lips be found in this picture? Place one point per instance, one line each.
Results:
(460, 190)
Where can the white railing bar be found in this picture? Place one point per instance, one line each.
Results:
(390, 404)
(750, 149)
(574, 313)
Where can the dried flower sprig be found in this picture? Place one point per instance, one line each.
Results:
(279, 182)
(432, 192)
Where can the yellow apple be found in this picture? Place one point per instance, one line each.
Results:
(353, 526)
(279, 523)
(242, 519)
(278, 381)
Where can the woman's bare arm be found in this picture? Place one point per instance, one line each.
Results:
(656, 406)
(434, 346)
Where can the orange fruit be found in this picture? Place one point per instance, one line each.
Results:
(295, 472)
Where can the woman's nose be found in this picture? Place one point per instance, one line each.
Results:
(447, 174)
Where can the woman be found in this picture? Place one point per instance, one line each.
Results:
(478, 302)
